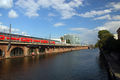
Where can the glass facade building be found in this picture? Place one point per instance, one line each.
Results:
(74, 38)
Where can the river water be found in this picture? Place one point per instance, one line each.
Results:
(75, 65)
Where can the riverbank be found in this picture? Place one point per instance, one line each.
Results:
(113, 65)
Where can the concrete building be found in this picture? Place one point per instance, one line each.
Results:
(118, 32)
(74, 38)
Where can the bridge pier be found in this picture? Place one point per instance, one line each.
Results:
(37, 50)
(26, 51)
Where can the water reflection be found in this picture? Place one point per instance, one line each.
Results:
(76, 65)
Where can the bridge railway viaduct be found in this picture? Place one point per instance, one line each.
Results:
(21, 49)
(13, 45)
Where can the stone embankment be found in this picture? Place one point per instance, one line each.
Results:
(113, 63)
(61, 50)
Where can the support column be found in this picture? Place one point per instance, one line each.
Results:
(26, 51)
(46, 50)
(7, 53)
(37, 51)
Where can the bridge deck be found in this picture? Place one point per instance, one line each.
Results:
(37, 44)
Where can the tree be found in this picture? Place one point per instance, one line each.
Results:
(68, 41)
(103, 33)
(106, 40)
(61, 38)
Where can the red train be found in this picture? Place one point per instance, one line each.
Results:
(21, 38)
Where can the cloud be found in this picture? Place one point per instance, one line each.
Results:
(103, 17)
(95, 13)
(59, 24)
(90, 35)
(6, 3)
(116, 17)
(79, 29)
(4, 28)
(108, 17)
(29, 6)
(66, 9)
(114, 5)
(12, 14)
(112, 26)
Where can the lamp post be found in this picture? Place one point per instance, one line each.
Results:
(9, 44)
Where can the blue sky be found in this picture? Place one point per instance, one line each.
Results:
(41, 18)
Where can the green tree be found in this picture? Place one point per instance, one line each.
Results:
(68, 41)
(61, 38)
(105, 41)
(102, 34)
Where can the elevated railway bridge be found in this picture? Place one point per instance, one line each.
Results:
(12, 45)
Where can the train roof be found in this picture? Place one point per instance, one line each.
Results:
(25, 36)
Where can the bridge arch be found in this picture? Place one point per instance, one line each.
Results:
(41, 49)
(1, 53)
(32, 50)
(17, 52)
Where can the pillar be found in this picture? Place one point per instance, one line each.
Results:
(26, 51)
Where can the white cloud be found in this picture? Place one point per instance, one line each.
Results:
(6, 3)
(112, 26)
(100, 28)
(103, 17)
(95, 13)
(114, 5)
(0, 14)
(59, 24)
(67, 10)
(108, 17)
(12, 14)
(90, 35)
(4, 28)
(30, 6)
(116, 17)
(79, 29)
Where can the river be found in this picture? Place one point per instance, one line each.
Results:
(75, 65)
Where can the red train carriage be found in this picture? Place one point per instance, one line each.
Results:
(26, 39)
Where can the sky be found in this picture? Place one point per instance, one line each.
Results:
(45, 18)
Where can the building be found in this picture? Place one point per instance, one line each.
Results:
(118, 32)
(73, 38)
(115, 36)
(57, 40)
